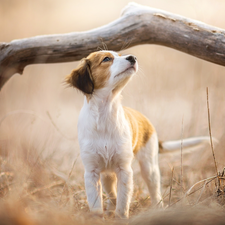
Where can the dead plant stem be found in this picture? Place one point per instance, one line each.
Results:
(210, 134)
(69, 176)
(181, 157)
(171, 186)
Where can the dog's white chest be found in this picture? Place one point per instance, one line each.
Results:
(104, 138)
(106, 147)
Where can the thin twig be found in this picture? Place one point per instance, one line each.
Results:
(69, 176)
(49, 186)
(37, 116)
(207, 179)
(188, 192)
(181, 157)
(201, 193)
(58, 130)
(32, 168)
(210, 134)
(171, 185)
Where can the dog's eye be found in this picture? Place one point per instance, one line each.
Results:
(106, 59)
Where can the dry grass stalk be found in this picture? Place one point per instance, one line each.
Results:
(204, 180)
(56, 127)
(181, 157)
(54, 184)
(210, 134)
(203, 188)
(69, 176)
(171, 186)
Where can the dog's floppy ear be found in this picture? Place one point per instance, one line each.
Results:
(81, 78)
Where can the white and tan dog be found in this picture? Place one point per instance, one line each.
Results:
(110, 135)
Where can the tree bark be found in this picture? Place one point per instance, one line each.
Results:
(137, 25)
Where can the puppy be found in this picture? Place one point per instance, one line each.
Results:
(110, 135)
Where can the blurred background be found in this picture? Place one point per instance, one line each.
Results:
(38, 114)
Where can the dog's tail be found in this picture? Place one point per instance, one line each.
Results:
(185, 144)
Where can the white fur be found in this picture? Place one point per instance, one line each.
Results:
(105, 143)
(106, 147)
(148, 161)
(188, 142)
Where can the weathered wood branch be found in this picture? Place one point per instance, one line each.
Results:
(137, 25)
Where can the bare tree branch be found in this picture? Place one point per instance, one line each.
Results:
(137, 25)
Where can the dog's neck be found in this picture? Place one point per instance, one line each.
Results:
(102, 99)
(103, 106)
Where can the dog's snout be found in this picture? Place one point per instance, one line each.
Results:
(132, 59)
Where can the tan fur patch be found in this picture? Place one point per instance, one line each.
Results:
(100, 70)
(141, 128)
(92, 73)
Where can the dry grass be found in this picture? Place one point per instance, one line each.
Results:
(41, 174)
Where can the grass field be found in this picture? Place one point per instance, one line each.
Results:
(41, 174)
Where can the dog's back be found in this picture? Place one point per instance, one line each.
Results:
(140, 127)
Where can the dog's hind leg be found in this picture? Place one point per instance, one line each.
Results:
(148, 161)
(109, 183)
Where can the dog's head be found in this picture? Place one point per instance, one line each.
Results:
(103, 69)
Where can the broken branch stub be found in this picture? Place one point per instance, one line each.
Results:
(137, 25)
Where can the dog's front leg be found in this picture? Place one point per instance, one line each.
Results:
(94, 192)
(124, 192)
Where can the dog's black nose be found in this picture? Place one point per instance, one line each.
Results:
(132, 59)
